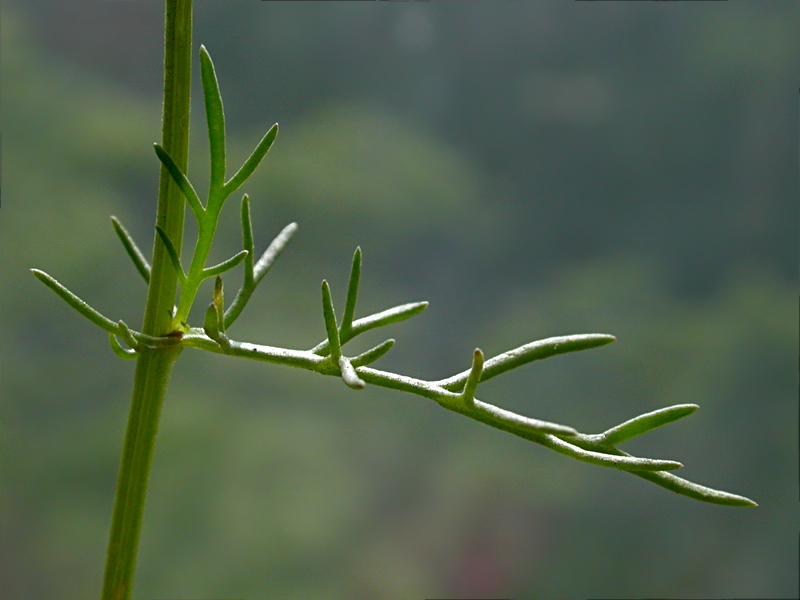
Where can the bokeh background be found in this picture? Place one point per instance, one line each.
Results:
(530, 168)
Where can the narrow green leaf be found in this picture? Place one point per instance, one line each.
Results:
(225, 265)
(694, 490)
(370, 356)
(243, 295)
(139, 261)
(212, 328)
(219, 302)
(386, 317)
(646, 422)
(349, 374)
(247, 241)
(500, 418)
(262, 266)
(235, 182)
(75, 302)
(468, 395)
(530, 352)
(352, 292)
(173, 253)
(126, 353)
(622, 461)
(330, 321)
(182, 182)
(215, 117)
(273, 251)
(210, 323)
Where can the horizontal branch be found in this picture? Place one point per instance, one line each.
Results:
(583, 447)
(303, 359)
(526, 427)
(598, 449)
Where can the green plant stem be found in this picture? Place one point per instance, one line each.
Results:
(154, 364)
(152, 375)
(175, 137)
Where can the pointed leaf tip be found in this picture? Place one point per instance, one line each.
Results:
(370, 356)
(352, 295)
(646, 422)
(474, 377)
(180, 179)
(215, 119)
(349, 375)
(75, 302)
(246, 170)
(135, 254)
(331, 327)
(172, 252)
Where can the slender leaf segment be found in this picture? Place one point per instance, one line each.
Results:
(139, 261)
(474, 378)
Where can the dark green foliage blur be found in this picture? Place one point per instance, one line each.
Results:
(531, 169)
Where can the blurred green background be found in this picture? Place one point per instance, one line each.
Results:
(530, 168)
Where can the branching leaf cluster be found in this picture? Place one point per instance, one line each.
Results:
(456, 393)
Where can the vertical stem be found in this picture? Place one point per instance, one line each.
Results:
(175, 134)
(152, 374)
(154, 365)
